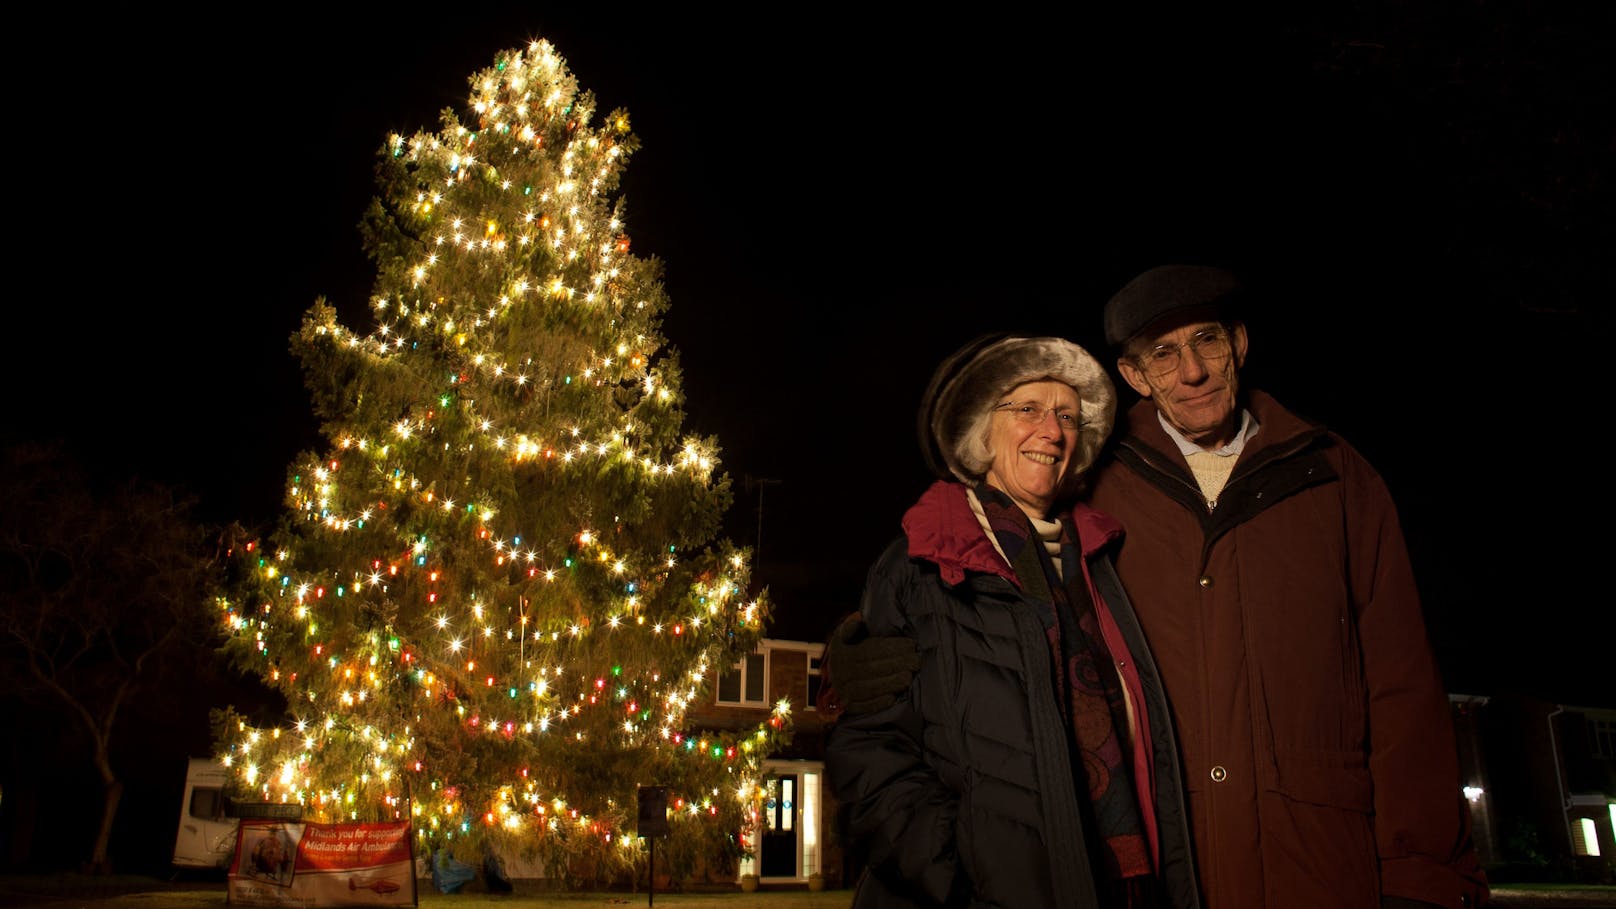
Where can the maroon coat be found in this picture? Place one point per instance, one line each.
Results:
(1317, 743)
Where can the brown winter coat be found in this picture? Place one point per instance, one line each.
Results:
(1317, 744)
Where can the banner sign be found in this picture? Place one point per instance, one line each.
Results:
(295, 864)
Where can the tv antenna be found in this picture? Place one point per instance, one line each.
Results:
(759, 483)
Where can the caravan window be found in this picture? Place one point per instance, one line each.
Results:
(206, 802)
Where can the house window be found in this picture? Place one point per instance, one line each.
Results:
(815, 680)
(1584, 836)
(742, 683)
(1602, 738)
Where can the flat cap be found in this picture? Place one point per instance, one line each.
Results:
(1164, 290)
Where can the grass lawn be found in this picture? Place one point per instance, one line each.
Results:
(73, 891)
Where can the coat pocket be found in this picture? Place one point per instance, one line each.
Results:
(1318, 836)
(1331, 778)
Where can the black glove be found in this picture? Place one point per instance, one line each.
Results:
(869, 672)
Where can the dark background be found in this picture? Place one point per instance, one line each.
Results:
(841, 198)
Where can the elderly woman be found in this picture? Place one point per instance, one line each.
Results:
(1029, 763)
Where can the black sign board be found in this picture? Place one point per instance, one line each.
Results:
(653, 819)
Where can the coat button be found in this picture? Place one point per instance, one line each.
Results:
(1219, 774)
(1205, 582)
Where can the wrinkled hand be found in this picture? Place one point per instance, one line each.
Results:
(868, 671)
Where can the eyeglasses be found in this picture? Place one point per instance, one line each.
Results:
(1034, 412)
(1210, 344)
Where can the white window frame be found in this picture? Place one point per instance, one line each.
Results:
(740, 667)
(815, 677)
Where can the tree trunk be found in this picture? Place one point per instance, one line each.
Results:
(112, 791)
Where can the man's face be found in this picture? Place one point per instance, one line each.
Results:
(1191, 370)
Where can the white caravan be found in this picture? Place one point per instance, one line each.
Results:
(207, 831)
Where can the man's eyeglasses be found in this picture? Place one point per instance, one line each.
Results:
(1034, 412)
(1210, 344)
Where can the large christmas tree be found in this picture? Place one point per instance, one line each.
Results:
(494, 597)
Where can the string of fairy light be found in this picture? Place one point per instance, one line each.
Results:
(583, 238)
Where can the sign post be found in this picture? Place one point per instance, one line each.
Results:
(652, 822)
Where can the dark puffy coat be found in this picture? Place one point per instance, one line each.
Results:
(1316, 737)
(963, 793)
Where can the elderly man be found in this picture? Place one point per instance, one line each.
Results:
(1266, 563)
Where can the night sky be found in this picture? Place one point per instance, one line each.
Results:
(1423, 204)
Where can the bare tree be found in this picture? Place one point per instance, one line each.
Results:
(102, 594)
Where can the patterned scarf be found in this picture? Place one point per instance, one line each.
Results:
(1087, 684)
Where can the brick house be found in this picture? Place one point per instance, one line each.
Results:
(797, 836)
(1541, 781)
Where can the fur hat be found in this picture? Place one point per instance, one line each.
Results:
(959, 401)
(1167, 289)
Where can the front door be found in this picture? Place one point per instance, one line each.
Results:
(780, 844)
